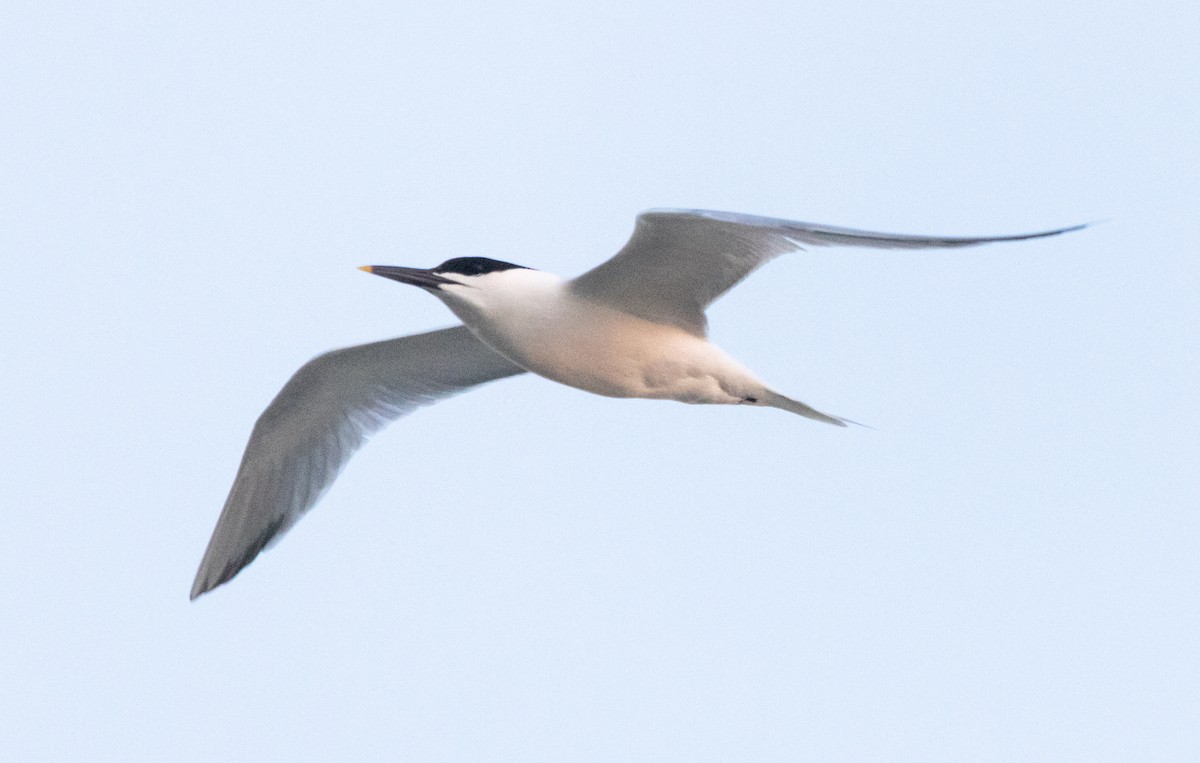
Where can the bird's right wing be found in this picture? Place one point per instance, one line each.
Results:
(679, 260)
(316, 422)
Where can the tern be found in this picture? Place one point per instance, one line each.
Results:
(632, 327)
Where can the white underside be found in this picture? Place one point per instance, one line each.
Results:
(584, 344)
(607, 352)
(537, 322)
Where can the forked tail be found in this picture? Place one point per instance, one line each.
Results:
(776, 400)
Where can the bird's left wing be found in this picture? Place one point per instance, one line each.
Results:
(316, 422)
(679, 261)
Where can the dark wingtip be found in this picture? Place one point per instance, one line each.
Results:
(1026, 236)
(846, 422)
(1072, 228)
(201, 587)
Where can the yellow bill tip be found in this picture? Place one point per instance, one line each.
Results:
(365, 268)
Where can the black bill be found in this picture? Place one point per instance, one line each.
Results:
(412, 276)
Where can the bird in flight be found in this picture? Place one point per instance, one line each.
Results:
(632, 327)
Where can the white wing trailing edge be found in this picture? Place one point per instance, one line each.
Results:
(679, 261)
(320, 418)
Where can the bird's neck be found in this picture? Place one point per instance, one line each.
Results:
(512, 298)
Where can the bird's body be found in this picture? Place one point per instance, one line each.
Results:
(633, 327)
(536, 320)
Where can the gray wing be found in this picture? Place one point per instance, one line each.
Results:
(679, 261)
(316, 422)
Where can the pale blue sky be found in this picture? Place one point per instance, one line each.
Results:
(1006, 569)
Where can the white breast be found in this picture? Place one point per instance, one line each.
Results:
(531, 318)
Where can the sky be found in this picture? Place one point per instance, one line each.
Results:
(1004, 568)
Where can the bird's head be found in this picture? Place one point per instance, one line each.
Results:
(465, 284)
